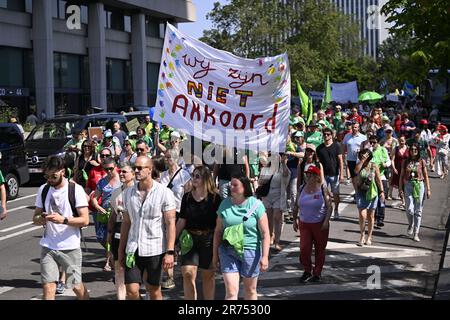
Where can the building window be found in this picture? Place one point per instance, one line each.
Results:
(14, 5)
(115, 19)
(70, 71)
(115, 72)
(11, 67)
(152, 27)
(127, 23)
(152, 82)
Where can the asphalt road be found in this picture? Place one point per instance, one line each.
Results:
(394, 267)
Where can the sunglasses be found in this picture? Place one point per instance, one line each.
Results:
(139, 168)
(327, 134)
(52, 177)
(414, 149)
(108, 169)
(105, 156)
(124, 171)
(140, 149)
(127, 144)
(373, 142)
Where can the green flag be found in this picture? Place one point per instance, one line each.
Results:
(327, 94)
(310, 112)
(303, 99)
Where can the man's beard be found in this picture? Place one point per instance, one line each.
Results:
(55, 184)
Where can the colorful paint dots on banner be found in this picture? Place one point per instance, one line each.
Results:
(169, 85)
(167, 50)
(260, 62)
(173, 54)
(271, 70)
(164, 63)
(171, 67)
(177, 63)
(161, 93)
(163, 75)
(161, 86)
(162, 114)
(171, 75)
(178, 47)
(161, 104)
(281, 67)
(278, 78)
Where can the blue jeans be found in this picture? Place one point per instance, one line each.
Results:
(247, 265)
(414, 206)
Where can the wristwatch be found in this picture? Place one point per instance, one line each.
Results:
(66, 221)
(170, 252)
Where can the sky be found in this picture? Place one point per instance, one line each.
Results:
(195, 29)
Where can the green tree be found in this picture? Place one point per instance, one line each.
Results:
(427, 24)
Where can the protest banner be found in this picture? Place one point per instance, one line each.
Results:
(216, 96)
(132, 125)
(95, 132)
(344, 92)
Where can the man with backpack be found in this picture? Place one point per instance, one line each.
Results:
(62, 208)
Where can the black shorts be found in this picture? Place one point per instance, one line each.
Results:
(201, 253)
(115, 241)
(153, 266)
(351, 167)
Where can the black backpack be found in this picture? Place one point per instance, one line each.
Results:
(71, 197)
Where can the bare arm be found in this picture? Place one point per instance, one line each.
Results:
(169, 220)
(341, 167)
(218, 232)
(425, 177)
(246, 166)
(263, 224)
(322, 175)
(124, 230)
(181, 224)
(3, 197)
(329, 208)
(81, 221)
(95, 204)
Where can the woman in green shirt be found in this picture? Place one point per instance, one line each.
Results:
(255, 255)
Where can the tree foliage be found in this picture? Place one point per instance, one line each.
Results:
(427, 25)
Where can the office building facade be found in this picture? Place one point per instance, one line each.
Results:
(109, 60)
(373, 26)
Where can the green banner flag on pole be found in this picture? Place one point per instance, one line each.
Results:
(327, 94)
(310, 111)
(303, 99)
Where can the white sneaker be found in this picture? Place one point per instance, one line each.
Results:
(410, 231)
(416, 237)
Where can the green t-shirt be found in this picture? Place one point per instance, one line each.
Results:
(314, 138)
(233, 214)
(2, 180)
(337, 120)
(380, 156)
(164, 134)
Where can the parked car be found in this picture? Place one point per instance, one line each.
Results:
(49, 137)
(13, 161)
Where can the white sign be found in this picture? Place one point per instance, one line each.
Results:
(216, 96)
(344, 92)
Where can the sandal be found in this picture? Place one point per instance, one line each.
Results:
(107, 268)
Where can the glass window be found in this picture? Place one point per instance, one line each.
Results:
(28, 66)
(70, 71)
(84, 14)
(127, 26)
(86, 76)
(54, 8)
(10, 137)
(151, 27)
(11, 67)
(14, 5)
(115, 74)
(56, 68)
(29, 6)
(152, 76)
(128, 76)
(62, 9)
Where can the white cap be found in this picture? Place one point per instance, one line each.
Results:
(107, 134)
(175, 134)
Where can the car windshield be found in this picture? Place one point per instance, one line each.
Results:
(52, 130)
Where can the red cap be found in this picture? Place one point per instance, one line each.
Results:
(441, 127)
(313, 169)
(424, 121)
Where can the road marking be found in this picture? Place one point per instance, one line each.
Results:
(333, 272)
(19, 233)
(23, 198)
(5, 289)
(16, 227)
(18, 208)
(302, 289)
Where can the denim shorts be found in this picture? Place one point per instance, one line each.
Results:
(231, 262)
(363, 203)
(333, 181)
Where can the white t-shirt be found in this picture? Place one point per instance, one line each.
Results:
(61, 236)
(178, 183)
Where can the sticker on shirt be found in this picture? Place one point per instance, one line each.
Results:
(316, 196)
